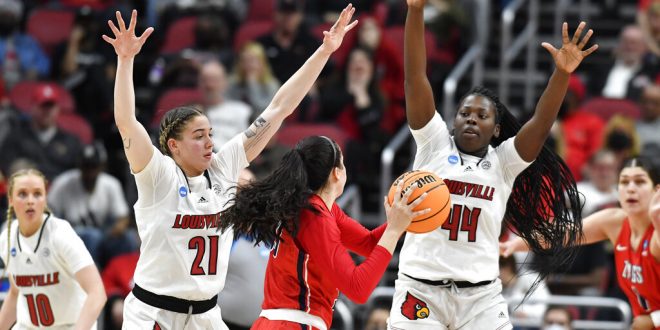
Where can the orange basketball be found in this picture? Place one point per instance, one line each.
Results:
(437, 199)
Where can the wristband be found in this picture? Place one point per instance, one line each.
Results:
(655, 317)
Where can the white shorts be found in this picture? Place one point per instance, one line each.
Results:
(420, 306)
(138, 315)
(19, 326)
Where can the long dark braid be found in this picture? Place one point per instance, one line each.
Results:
(263, 208)
(544, 206)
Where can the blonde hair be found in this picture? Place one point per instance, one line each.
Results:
(258, 50)
(10, 210)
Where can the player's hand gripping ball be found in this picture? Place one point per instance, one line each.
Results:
(437, 199)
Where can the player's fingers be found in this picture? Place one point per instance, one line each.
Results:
(578, 32)
(418, 200)
(590, 50)
(146, 34)
(422, 212)
(120, 21)
(108, 39)
(386, 204)
(564, 33)
(133, 22)
(113, 28)
(351, 26)
(584, 40)
(550, 48)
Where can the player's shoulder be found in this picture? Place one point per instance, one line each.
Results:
(58, 225)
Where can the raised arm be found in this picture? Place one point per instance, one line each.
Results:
(420, 105)
(602, 225)
(292, 92)
(532, 135)
(137, 144)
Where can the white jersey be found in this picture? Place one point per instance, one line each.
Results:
(465, 247)
(43, 267)
(183, 255)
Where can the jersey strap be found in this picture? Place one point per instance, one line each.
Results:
(174, 304)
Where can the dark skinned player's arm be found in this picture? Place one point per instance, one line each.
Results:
(420, 105)
(532, 135)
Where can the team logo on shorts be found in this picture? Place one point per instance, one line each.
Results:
(485, 164)
(452, 159)
(13, 252)
(45, 252)
(183, 192)
(414, 308)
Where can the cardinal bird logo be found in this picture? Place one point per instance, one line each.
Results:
(414, 308)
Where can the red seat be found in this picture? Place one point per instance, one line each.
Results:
(260, 10)
(21, 96)
(180, 35)
(396, 35)
(290, 134)
(173, 98)
(50, 27)
(250, 31)
(76, 125)
(606, 108)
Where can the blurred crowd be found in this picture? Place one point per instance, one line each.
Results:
(229, 57)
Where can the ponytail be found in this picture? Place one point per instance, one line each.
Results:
(263, 208)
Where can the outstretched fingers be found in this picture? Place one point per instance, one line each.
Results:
(133, 22)
(591, 49)
(113, 27)
(146, 34)
(578, 32)
(584, 40)
(120, 21)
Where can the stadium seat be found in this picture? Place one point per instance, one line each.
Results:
(606, 108)
(180, 35)
(260, 10)
(50, 27)
(22, 93)
(76, 125)
(173, 98)
(290, 134)
(396, 35)
(250, 31)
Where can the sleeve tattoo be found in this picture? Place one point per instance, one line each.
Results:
(255, 132)
(127, 143)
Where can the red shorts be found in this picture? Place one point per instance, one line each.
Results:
(263, 323)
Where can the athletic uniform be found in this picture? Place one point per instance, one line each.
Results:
(637, 271)
(304, 275)
(43, 267)
(183, 258)
(448, 278)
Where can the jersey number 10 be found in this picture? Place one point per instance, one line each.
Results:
(41, 314)
(199, 243)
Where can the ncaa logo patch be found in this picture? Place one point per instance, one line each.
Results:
(452, 159)
(217, 189)
(183, 192)
(485, 165)
(45, 252)
(13, 252)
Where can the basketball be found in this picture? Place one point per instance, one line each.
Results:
(437, 199)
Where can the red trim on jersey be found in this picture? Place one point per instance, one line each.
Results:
(637, 271)
(310, 269)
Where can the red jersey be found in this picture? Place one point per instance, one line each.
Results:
(637, 271)
(307, 273)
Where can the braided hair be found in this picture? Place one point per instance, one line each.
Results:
(544, 206)
(9, 217)
(173, 124)
(263, 208)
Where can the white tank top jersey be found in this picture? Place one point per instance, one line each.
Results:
(465, 247)
(183, 255)
(43, 267)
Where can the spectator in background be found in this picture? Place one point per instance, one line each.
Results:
(599, 190)
(94, 203)
(516, 285)
(357, 105)
(378, 314)
(290, 43)
(648, 126)
(621, 137)
(582, 132)
(85, 68)
(229, 117)
(557, 318)
(38, 138)
(21, 57)
(387, 61)
(252, 80)
(213, 39)
(614, 79)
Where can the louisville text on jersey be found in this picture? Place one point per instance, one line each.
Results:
(37, 280)
(470, 189)
(188, 221)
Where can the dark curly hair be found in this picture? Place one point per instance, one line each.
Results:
(544, 206)
(263, 208)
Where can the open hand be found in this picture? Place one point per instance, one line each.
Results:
(416, 3)
(332, 39)
(126, 43)
(569, 57)
(400, 213)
